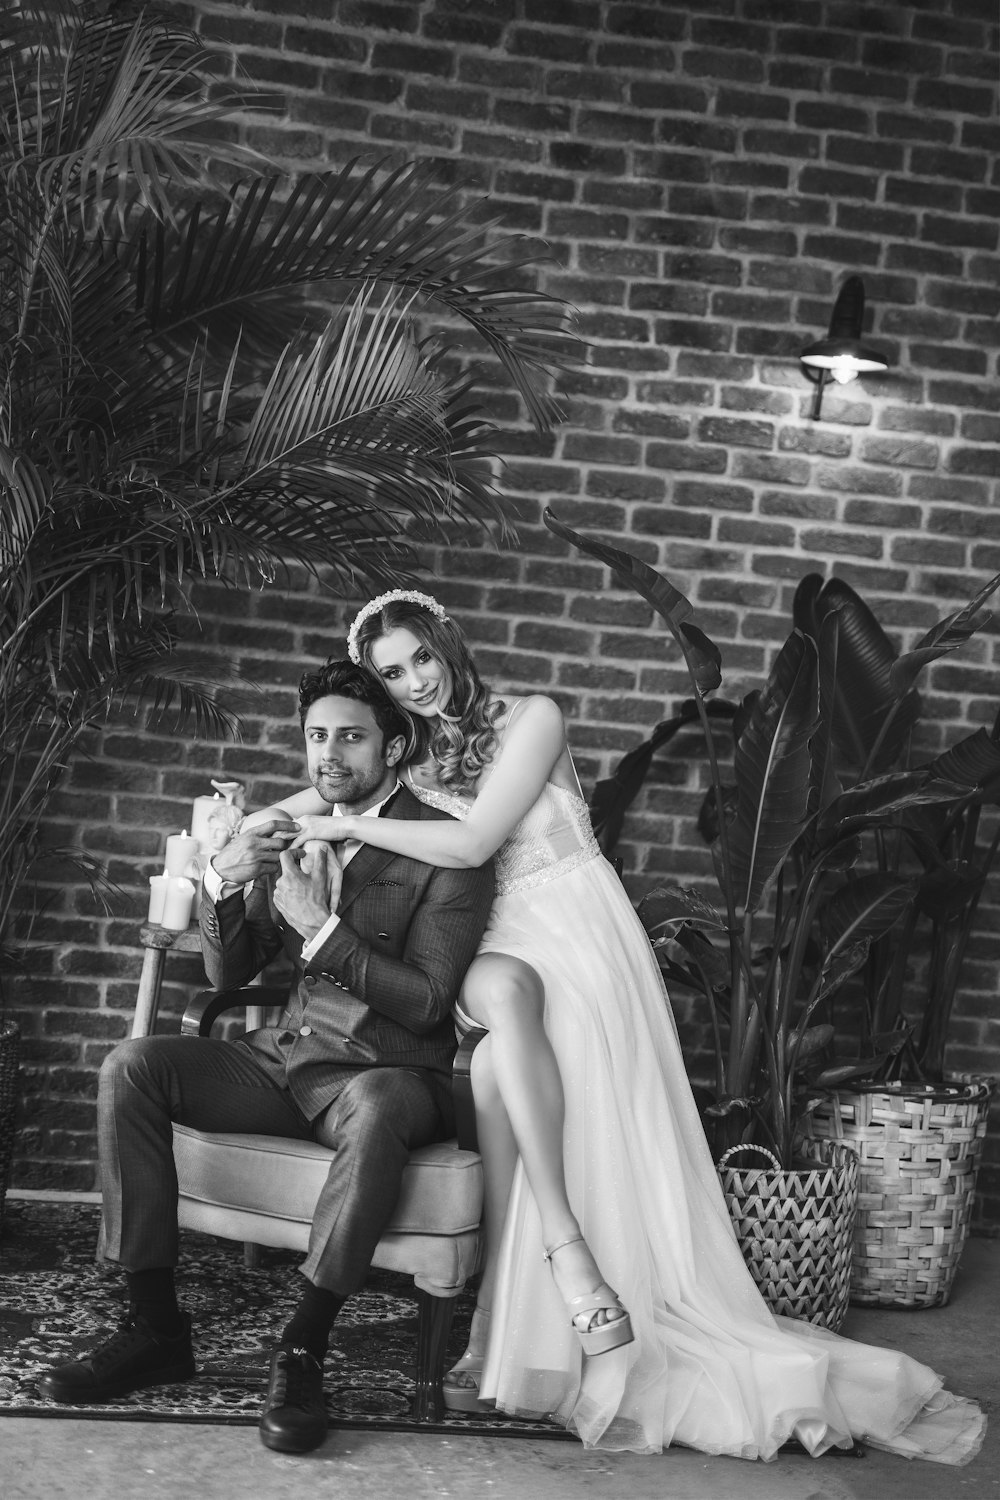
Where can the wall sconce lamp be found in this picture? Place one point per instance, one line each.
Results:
(841, 356)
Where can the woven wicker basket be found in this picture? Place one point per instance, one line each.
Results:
(796, 1230)
(10, 1050)
(919, 1151)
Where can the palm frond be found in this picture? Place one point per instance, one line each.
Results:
(239, 267)
(125, 120)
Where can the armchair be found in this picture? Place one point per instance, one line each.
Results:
(263, 1190)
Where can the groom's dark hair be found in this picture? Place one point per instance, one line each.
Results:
(340, 678)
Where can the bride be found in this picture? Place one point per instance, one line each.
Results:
(614, 1297)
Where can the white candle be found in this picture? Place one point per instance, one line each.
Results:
(157, 896)
(177, 905)
(180, 851)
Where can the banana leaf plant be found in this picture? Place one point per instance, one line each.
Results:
(210, 369)
(874, 715)
(798, 910)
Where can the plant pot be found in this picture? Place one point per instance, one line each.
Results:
(919, 1149)
(10, 1052)
(796, 1230)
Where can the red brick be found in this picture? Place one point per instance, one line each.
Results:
(954, 98)
(796, 77)
(869, 84)
(614, 484)
(655, 21)
(556, 46)
(322, 41)
(975, 461)
(412, 59)
(786, 143)
(759, 104)
(479, 31)
(765, 206)
(817, 41)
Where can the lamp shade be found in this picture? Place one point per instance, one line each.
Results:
(841, 354)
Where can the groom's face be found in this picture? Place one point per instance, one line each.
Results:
(348, 759)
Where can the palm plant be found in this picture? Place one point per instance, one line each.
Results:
(806, 853)
(210, 369)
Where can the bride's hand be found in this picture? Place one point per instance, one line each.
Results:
(329, 830)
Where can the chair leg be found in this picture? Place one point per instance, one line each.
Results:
(252, 1258)
(433, 1330)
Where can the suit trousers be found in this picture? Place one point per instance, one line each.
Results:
(375, 1119)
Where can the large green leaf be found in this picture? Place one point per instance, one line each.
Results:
(946, 891)
(869, 721)
(947, 635)
(772, 769)
(972, 763)
(669, 907)
(878, 802)
(702, 655)
(613, 796)
(864, 907)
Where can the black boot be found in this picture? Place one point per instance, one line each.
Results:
(294, 1418)
(133, 1357)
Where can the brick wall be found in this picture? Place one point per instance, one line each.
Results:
(704, 174)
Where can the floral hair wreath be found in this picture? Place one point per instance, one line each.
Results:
(395, 596)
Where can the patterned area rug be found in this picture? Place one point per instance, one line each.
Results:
(57, 1302)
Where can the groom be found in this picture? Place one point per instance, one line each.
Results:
(360, 1059)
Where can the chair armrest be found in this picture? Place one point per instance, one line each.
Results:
(461, 1087)
(207, 1006)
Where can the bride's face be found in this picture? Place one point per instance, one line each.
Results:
(412, 673)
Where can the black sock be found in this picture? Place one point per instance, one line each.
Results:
(152, 1296)
(310, 1323)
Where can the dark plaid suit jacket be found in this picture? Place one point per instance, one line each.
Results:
(380, 991)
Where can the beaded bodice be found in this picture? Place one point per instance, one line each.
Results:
(553, 837)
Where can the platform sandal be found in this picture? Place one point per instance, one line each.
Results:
(606, 1336)
(466, 1397)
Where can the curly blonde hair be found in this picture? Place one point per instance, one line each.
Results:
(463, 740)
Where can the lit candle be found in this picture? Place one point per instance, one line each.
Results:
(157, 896)
(177, 904)
(180, 851)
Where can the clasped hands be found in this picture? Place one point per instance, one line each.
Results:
(309, 875)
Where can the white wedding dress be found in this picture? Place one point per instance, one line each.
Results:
(711, 1367)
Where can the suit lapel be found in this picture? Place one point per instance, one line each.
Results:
(369, 862)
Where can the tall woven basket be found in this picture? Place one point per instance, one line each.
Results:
(796, 1230)
(10, 1052)
(919, 1150)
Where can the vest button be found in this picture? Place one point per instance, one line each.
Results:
(305, 1031)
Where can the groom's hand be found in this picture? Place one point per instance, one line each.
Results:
(306, 892)
(248, 856)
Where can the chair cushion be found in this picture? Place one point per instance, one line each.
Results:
(442, 1191)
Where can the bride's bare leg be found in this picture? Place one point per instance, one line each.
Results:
(506, 996)
(498, 1148)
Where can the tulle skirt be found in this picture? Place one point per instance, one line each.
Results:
(711, 1367)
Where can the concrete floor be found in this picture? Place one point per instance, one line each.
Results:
(46, 1459)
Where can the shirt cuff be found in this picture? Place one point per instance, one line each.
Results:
(216, 888)
(329, 927)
